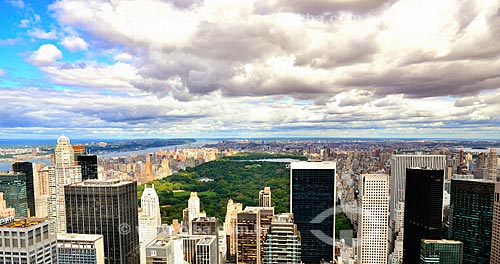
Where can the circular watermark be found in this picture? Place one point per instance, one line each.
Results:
(124, 229)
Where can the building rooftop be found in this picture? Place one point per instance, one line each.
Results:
(442, 241)
(23, 222)
(78, 237)
(96, 183)
(313, 165)
(475, 180)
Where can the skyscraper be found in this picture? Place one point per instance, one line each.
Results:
(62, 172)
(80, 249)
(441, 252)
(495, 237)
(373, 223)
(13, 187)
(27, 168)
(5, 212)
(28, 240)
(423, 210)
(149, 218)
(232, 211)
(399, 164)
(282, 243)
(251, 230)
(265, 197)
(108, 208)
(493, 164)
(194, 207)
(312, 202)
(88, 164)
(471, 218)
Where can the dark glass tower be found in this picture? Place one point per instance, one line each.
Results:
(423, 210)
(471, 218)
(27, 168)
(13, 187)
(108, 208)
(89, 166)
(312, 202)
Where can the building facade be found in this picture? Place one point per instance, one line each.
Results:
(495, 237)
(471, 218)
(80, 249)
(312, 202)
(423, 210)
(251, 230)
(373, 223)
(62, 172)
(108, 208)
(27, 169)
(88, 164)
(282, 243)
(27, 240)
(265, 197)
(13, 187)
(149, 218)
(441, 252)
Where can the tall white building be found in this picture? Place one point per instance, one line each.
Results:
(62, 172)
(373, 225)
(493, 164)
(149, 219)
(194, 207)
(230, 225)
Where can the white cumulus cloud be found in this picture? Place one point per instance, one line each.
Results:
(74, 43)
(45, 55)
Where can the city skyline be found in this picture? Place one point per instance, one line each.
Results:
(284, 68)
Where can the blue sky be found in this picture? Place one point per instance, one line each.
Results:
(253, 68)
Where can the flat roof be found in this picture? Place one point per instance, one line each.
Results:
(475, 180)
(97, 183)
(441, 241)
(313, 165)
(24, 222)
(78, 237)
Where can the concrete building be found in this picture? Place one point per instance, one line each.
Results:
(471, 218)
(109, 208)
(27, 240)
(193, 206)
(441, 252)
(251, 230)
(165, 250)
(5, 212)
(495, 237)
(282, 243)
(493, 164)
(373, 224)
(180, 249)
(80, 249)
(265, 197)
(149, 218)
(62, 172)
(312, 202)
(232, 211)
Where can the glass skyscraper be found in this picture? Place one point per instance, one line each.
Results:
(13, 187)
(27, 168)
(441, 252)
(423, 210)
(312, 202)
(471, 218)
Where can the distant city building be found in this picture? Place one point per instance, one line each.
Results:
(441, 252)
(423, 210)
(312, 202)
(251, 230)
(265, 197)
(108, 208)
(27, 168)
(149, 218)
(80, 249)
(13, 187)
(282, 243)
(62, 172)
(495, 237)
(5, 212)
(493, 164)
(88, 164)
(471, 218)
(27, 240)
(232, 211)
(179, 249)
(373, 224)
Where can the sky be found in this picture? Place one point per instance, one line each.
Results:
(250, 68)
